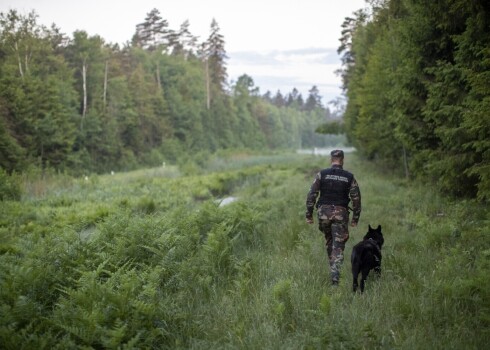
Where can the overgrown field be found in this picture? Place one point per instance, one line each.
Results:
(149, 260)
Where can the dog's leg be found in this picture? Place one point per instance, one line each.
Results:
(355, 270)
(365, 273)
(355, 275)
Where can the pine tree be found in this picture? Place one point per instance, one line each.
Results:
(153, 34)
(185, 43)
(216, 56)
(314, 99)
(348, 59)
(278, 99)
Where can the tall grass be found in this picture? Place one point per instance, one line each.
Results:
(152, 261)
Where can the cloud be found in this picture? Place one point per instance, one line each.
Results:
(287, 69)
(307, 55)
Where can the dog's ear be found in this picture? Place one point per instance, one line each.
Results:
(370, 228)
(379, 228)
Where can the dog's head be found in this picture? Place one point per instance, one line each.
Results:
(376, 235)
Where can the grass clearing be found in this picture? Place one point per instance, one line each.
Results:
(149, 260)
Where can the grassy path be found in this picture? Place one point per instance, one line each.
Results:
(149, 260)
(433, 293)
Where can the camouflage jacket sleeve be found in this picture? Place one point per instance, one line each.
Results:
(355, 196)
(312, 196)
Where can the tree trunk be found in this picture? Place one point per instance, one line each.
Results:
(84, 79)
(158, 76)
(26, 59)
(105, 83)
(19, 61)
(405, 162)
(208, 97)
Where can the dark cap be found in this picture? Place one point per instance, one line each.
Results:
(337, 153)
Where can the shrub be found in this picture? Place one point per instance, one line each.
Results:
(9, 186)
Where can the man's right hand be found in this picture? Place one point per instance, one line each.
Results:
(309, 220)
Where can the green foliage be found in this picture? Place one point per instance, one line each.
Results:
(333, 128)
(36, 117)
(283, 305)
(417, 86)
(139, 260)
(10, 188)
(85, 106)
(11, 153)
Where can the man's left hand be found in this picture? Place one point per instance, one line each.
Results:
(309, 221)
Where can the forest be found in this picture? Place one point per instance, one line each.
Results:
(416, 86)
(416, 74)
(146, 202)
(79, 104)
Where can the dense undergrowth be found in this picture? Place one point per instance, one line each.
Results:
(149, 259)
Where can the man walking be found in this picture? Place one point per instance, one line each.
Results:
(335, 186)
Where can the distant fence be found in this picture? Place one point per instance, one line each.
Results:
(324, 151)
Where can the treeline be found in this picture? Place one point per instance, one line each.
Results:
(416, 75)
(81, 104)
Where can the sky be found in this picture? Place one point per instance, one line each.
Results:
(281, 44)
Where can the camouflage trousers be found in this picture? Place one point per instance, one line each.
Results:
(333, 222)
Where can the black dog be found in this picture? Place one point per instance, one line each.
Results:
(366, 256)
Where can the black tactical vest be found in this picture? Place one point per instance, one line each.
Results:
(334, 187)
